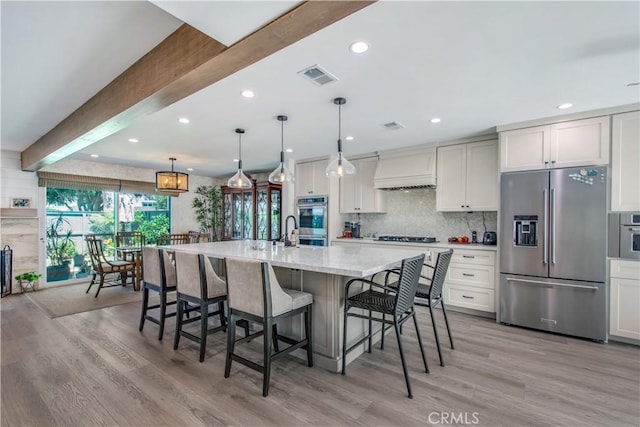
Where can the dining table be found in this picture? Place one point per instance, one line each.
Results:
(133, 254)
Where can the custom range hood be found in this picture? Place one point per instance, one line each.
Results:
(406, 170)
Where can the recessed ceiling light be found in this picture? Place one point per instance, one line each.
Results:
(565, 106)
(289, 150)
(349, 138)
(189, 169)
(94, 155)
(435, 120)
(248, 94)
(236, 160)
(358, 47)
(183, 120)
(133, 140)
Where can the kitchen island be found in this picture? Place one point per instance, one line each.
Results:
(321, 271)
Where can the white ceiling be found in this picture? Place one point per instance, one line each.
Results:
(475, 65)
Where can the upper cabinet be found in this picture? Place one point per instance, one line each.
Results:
(573, 143)
(357, 194)
(311, 178)
(468, 177)
(625, 162)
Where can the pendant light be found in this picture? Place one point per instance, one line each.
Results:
(239, 180)
(338, 165)
(172, 182)
(281, 173)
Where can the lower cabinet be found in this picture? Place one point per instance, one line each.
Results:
(470, 281)
(624, 313)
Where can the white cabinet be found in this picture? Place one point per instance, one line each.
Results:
(468, 177)
(624, 320)
(524, 149)
(470, 281)
(311, 178)
(625, 162)
(357, 194)
(566, 144)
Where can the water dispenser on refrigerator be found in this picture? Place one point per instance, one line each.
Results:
(525, 230)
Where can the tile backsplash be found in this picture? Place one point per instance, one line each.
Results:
(413, 213)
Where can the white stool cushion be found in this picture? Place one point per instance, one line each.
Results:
(299, 299)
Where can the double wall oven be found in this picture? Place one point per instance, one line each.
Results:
(313, 216)
(624, 235)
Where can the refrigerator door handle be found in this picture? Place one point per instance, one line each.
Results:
(553, 284)
(552, 214)
(545, 254)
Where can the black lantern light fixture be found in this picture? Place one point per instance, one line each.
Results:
(281, 173)
(172, 182)
(239, 180)
(338, 165)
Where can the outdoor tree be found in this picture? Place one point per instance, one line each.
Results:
(86, 200)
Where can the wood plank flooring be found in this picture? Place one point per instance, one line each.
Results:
(95, 368)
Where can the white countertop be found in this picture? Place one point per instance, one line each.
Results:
(352, 261)
(371, 241)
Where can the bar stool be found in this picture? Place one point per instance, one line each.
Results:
(431, 295)
(159, 276)
(397, 302)
(256, 295)
(199, 285)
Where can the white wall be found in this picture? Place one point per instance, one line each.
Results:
(21, 234)
(14, 182)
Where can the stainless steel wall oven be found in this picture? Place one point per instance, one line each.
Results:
(624, 235)
(313, 227)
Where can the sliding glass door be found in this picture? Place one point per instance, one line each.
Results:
(71, 214)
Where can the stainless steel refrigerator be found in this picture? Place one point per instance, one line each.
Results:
(553, 251)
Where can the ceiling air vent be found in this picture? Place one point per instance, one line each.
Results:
(318, 75)
(393, 125)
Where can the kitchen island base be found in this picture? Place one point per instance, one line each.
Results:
(328, 305)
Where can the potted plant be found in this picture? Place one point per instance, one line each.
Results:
(60, 249)
(28, 280)
(208, 207)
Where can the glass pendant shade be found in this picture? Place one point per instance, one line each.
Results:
(281, 173)
(338, 165)
(172, 182)
(239, 180)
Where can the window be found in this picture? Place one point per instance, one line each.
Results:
(73, 213)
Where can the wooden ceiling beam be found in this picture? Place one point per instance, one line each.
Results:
(182, 64)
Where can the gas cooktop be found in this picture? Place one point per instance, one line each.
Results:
(407, 239)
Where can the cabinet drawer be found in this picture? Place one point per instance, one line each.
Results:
(625, 269)
(471, 275)
(467, 256)
(469, 297)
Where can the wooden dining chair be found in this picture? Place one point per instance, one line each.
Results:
(110, 272)
(129, 239)
(173, 239)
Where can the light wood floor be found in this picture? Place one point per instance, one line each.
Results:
(95, 368)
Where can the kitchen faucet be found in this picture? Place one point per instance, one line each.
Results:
(286, 240)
